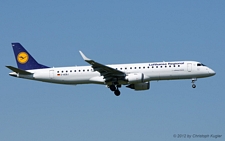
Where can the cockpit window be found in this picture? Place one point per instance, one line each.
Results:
(200, 64)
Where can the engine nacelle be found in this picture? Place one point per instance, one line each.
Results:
(139, 86)
(135, 78)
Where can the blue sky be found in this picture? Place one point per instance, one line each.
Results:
(112, 32)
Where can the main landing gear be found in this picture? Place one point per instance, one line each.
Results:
(193, 82)
(115, 89)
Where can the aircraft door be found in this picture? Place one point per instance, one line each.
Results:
(189, 67)
(51, 74)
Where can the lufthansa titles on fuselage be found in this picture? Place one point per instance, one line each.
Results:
(165, 63)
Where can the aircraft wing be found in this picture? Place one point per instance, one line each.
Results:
(106, 71)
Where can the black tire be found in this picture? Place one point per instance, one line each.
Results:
(112, 87)
(193, 86)
(117, 92)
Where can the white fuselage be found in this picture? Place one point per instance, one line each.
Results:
(151, 71)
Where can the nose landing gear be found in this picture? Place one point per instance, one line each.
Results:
(193, 82)
(193, 86)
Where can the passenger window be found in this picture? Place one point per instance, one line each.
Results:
(88, 70)
(139, 67)
(148, 67)
(79, 70)
(62, 71)
(161, 66)
(178, 65)
(152, 66)
(74, 70)
(165, 66)
(130, 67)
(57, 71)
(66, 71)
(135, 67)
(174, 66)
(156, 66)
(143, 67)
(70, 70)
(169, 66)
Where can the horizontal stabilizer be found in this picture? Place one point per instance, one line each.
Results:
(18, 70)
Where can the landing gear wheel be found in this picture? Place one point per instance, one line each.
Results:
(115, 89)
(112, 87)
(117, 92)
(193, 86)
(193, 82)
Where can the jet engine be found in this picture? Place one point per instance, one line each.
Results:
(139, 86)
(135, 78)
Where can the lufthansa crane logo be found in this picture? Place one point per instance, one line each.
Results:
(22, 57)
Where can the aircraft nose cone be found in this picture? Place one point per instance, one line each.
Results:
(212, 72)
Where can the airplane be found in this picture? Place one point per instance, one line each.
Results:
(135, 76)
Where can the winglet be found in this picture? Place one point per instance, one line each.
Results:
(84, 57)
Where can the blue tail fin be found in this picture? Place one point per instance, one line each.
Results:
(24, 60)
